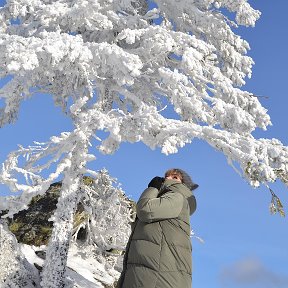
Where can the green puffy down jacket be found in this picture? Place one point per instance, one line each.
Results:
(158, 253)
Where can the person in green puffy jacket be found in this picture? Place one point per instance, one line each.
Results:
(159, 251)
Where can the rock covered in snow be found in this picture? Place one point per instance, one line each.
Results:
(16, 271)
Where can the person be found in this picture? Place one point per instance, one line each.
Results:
(159, 250)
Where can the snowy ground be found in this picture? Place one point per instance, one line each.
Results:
(83, 269)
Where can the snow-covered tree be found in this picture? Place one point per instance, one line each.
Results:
(107, 211)
(104, 219)
(116, 66)
(101, 229)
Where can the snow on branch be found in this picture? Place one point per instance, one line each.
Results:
(112, 68)
(261, 160)
(31, 163)
(108, 209)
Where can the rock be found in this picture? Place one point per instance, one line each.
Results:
(16, 271)
(32, 226)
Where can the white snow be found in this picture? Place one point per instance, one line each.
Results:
(82, 272)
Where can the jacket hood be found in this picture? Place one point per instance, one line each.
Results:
(187, 180)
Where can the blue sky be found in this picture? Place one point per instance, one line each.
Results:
(244, 245)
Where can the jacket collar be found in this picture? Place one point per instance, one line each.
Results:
(179, 187)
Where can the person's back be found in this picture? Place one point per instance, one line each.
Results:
(158, 253)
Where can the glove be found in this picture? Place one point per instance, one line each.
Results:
(156, 182)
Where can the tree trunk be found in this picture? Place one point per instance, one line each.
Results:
(54, 269)
(53, 275)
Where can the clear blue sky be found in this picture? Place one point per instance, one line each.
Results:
(244, 245)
